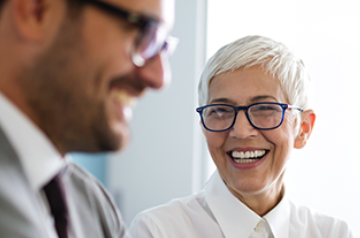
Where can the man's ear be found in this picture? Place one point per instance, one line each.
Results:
(35, 19)
(307, 124)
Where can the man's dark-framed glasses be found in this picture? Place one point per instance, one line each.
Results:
(263, 116)
(153, 36)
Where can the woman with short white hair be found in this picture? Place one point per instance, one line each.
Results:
(254, 109)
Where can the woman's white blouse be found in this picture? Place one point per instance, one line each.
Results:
(215, 213)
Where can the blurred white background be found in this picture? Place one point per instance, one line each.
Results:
(167, 157)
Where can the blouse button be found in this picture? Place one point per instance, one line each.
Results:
(259, 227)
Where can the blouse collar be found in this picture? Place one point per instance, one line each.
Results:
(236, 219)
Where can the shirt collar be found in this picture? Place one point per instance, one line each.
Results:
(279, 218)
(236, 219)
(38, 157)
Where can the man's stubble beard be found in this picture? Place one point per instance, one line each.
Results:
(55, 87)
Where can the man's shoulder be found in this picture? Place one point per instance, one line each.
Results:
(92, 200)
(77, 174)
(81, 181)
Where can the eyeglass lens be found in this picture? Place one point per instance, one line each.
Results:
(153, 36)
(222, 117)
(151, 40)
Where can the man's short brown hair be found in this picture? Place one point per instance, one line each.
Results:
(2, 4)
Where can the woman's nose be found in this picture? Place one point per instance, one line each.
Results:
(242, 129)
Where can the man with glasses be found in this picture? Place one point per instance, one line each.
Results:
(71, 72)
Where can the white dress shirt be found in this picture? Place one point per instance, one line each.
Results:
(38, 157)
(215, 212)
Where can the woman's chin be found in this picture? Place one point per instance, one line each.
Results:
(248, 188)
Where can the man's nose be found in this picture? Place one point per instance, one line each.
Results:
(242, 129)
(156, 72)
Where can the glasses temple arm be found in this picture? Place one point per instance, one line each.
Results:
(291, 107)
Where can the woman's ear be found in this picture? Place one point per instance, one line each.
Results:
(307, 124)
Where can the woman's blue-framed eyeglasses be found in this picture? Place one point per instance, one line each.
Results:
(263, 116)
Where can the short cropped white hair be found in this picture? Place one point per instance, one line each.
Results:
(274, 57)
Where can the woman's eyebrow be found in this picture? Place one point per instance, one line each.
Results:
(252, 100)
(262, 97)
(221, 100)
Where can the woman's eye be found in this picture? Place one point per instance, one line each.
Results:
(268, 108)
(221, 110)
(218, 111)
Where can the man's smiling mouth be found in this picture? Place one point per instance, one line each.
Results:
(245, 157)
(123, 97)
(125, 102)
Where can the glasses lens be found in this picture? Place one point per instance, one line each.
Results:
(170, 45)
(148, 43)
(266, 115)
(153, 39)
(218, 117)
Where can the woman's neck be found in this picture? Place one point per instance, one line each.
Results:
(262, 202)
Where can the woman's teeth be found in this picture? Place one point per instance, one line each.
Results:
(242, 157)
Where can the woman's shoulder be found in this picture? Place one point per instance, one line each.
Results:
(181, 217)
(313, 222)
(175, 208)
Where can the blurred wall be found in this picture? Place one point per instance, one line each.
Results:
(164, 159)
(96, 164)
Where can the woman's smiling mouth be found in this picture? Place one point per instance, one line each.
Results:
(245, 157)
